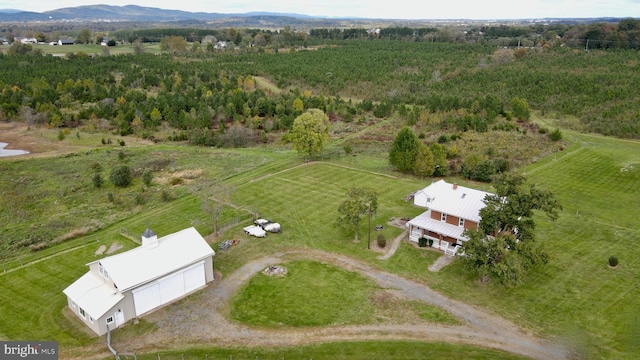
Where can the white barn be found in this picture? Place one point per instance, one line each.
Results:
(128, 285)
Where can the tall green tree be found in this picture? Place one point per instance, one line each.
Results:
(173, 44)
(360, 201)
(310, 132)
(85, 36)
(520, 108)
(440, 157)
(425, 162)
(404, 150)
(504, 245)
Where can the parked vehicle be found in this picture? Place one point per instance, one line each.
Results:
(255, 230)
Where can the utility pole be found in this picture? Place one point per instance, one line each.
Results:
(369, 240)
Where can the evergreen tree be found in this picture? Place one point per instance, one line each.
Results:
(404, 150)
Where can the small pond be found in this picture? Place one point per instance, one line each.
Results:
(4, 152)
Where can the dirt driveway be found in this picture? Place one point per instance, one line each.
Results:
(186, 325)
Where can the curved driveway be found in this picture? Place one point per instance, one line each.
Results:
(186, 325)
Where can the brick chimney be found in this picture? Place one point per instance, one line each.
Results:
(455, 186)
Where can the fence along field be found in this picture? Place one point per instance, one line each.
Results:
(575, 296)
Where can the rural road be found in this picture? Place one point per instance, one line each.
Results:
(208, 323)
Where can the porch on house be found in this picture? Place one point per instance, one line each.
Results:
(439, 235)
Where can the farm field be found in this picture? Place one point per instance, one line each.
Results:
(576, 299)
(91, 49)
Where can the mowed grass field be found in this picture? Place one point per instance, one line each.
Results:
(90, 49)
(576, 298)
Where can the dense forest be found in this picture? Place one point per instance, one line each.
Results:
(451, 95)
(216, 89)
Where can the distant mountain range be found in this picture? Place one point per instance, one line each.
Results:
(124, 13)
(141, 14)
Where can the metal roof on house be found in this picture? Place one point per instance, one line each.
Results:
(144, 264)
(452, 199)
(91, 293)
(424, 221)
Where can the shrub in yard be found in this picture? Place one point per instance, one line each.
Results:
(555, 135)
(166, 195)
(382, 242)
(147, 177)
(120, 176)
(613, 261)
(422, 242)
(97, 180)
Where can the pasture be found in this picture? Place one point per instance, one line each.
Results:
(575, 299)
(90, 49)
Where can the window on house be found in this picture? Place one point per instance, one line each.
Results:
(73, 304)
(81, 311)
(103, 271)
(91, 319)
(443, 217)
(110, 320)
(461, 222)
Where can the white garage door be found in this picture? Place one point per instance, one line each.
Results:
(194, 277)
(169, 288)
(146, 298)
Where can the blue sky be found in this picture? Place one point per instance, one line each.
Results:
(396, 9)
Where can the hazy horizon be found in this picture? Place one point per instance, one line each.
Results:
(401, 9)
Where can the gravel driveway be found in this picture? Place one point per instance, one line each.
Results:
(183, 324)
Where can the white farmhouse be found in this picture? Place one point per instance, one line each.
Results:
(451, 210)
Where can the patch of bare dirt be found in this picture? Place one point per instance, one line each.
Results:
(23, 137)
(179, 177)
(101, 250)
(114, 247)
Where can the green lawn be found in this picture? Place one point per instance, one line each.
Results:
(310, 294)
(318, 294)
(369, 350)
(90, 49)
(576, 298)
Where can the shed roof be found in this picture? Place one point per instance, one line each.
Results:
(143, 264)
(453, 199)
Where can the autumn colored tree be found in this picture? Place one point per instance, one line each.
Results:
(84, 37)
(173, 44)
(310, 133)
(425, 163)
